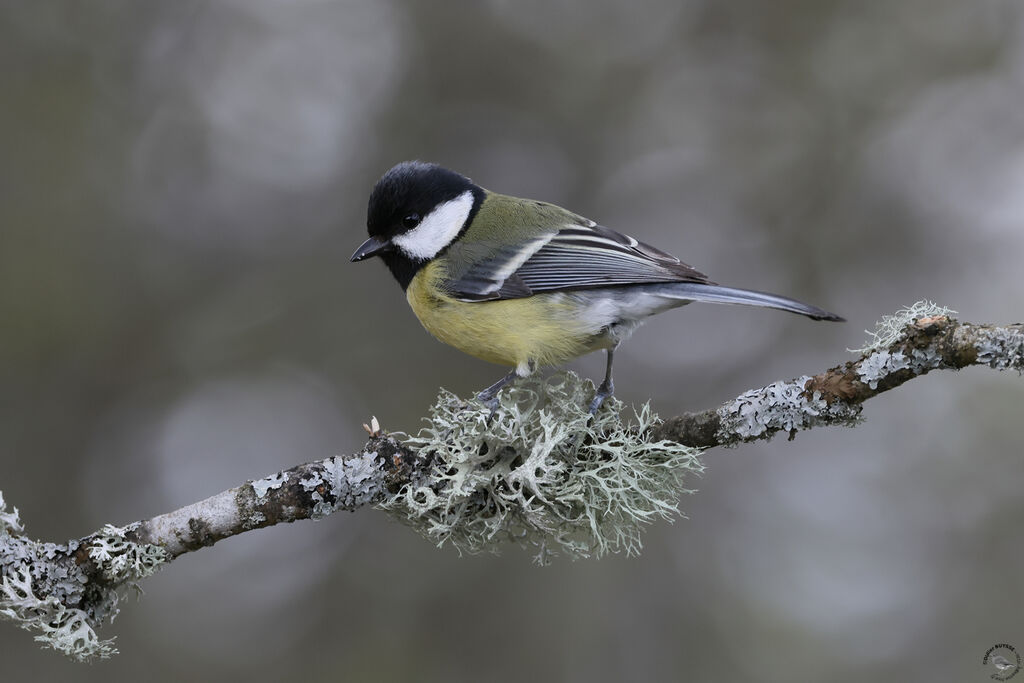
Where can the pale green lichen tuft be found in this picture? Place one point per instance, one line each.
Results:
(10, 522)
(541, 474)
(891, 328)
(42, 589)
(27, 571)
(65, 629)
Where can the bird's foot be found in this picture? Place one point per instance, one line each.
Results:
(490, 401)
(604, 391)
(489, 396)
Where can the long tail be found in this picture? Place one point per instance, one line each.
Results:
(716, 294)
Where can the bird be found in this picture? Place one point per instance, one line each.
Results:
(524, 283)
(1003, 665)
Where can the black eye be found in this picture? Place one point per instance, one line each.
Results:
(411, 221)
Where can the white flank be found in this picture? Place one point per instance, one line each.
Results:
(437, 229)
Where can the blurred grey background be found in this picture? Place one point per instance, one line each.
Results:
(182, 183)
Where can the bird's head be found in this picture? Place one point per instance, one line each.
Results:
(416, 210)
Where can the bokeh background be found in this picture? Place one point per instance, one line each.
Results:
(182, 183)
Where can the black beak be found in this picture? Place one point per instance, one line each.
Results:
(371, 247)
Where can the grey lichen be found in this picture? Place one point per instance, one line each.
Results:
(344, 483)
(121, 560)
(65, 629)
(1001, 349)
(44, 590)
(275, 481)
(891, 328)
(781, 406)
(36, 591)
(541, 474)
(10, 522)
(881, 364)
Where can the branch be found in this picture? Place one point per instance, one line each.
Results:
(539, 472)
(309, 491)
(63, 591)
(834, 397)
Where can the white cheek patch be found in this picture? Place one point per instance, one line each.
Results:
(437, 229)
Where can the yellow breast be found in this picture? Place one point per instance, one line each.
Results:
(541, 328)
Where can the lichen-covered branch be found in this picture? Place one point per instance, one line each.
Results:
(910, 344)
(539, 472)
(310, 491)
(63, 591)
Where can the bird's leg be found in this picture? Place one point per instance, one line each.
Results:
(489, 396)
(607, 387)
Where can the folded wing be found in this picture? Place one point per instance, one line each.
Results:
(575, 257)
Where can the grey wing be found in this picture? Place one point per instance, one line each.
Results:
(575, 257)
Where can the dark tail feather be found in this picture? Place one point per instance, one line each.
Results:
(717, 294)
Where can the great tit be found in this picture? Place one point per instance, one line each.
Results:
(524, 283)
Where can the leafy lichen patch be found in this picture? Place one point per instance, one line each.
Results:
(44, 590)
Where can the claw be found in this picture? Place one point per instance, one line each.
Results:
(606, 389)
(489, 396)
(490, 402)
